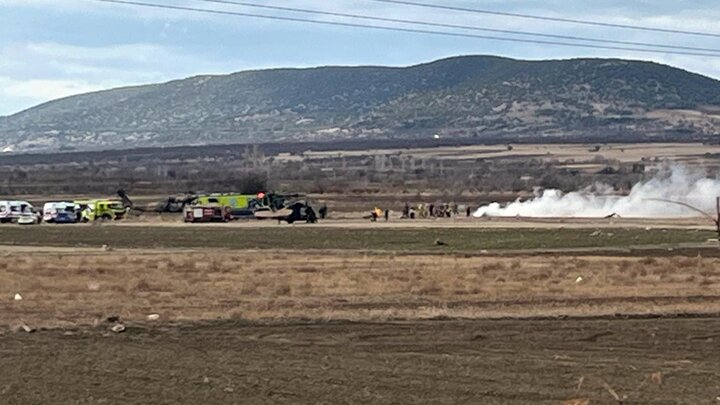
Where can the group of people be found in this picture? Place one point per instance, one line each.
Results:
(445, 210)
(431, 210)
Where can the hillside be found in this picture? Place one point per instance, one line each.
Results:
(470, 96)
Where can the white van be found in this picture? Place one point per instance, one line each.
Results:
(12, 210)
(60, 212)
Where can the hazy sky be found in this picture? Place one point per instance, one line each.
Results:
(55, 48)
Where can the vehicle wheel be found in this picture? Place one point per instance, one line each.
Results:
(106, 217)
(290, 220)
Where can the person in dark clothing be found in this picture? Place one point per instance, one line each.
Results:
(310, 214)
(431, 210)
(323, 211)
(468, 210)
(406, 211)
(387, 215)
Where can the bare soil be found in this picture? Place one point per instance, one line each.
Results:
(591, 361)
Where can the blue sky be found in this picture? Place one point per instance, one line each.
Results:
(55, 48)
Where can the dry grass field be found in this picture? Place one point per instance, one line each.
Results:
(62, 288)
(689, 153)
(348, 326)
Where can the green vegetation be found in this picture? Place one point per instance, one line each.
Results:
(310, 237)
(464, 96)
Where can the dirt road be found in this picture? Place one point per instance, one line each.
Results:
(658, 361)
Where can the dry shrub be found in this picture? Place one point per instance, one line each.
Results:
(282, 290)
(144, 285)
(624, 265)
(429, 287)
(541, 275)
(304, 290)
(249, 288)
(684, 262)
(707, 273)
(116, 288)
(556, 290)
(184, 265)
(307, 269)
(622, 279)
(475, 290)
(706, 282)
(493, 266)
(226, 267)
(648, 261)
(579, 263)
(663, 271)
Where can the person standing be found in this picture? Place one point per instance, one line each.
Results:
(311, 217)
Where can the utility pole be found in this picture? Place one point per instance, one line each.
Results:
(717, 221)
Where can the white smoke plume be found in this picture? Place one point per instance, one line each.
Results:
(676, 183)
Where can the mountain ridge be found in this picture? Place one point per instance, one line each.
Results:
(462, 96)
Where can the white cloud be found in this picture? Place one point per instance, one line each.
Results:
(39, 90)
(124, 52)
(144, 45)
(31, 73)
